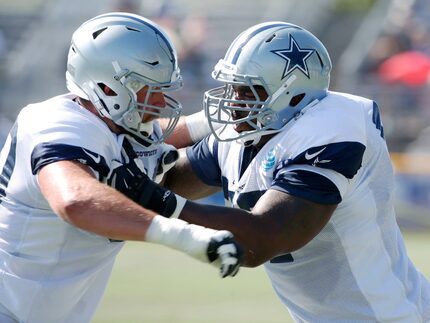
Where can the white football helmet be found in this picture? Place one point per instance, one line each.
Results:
(287, 61)
(125, 52)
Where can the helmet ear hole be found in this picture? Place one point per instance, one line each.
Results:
(297, 99)
(106, 89)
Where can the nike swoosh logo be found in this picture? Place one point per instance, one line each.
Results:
(95, 157)
(310, 156)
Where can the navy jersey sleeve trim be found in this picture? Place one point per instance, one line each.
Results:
(343, 157)
(204, 163)
(376, 118)
(47, 153)
(9, 165)
(308, 185)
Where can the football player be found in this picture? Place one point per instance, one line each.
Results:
(308, 178)
(61, 227)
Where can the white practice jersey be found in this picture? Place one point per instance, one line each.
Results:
(356, 268)
(51, 271)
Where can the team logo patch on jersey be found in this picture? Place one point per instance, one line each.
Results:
(269, 161)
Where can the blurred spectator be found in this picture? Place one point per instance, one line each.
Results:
(411, 68)
(3, 52)
(188, 32)
(397, 73)
(127, 6)
(5, 126)
(3, 44)
(385, 46)
(192, 33)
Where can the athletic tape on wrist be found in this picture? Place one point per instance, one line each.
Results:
(180, 235)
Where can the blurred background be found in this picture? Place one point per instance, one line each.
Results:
(380, 49)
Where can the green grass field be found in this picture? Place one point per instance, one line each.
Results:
(154, 284)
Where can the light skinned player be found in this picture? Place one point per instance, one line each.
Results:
(61, 226)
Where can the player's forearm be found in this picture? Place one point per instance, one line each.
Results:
(189, 130)
(180, 136)
(250, 231)
(183, 180)
(102, 210)
(151, 196)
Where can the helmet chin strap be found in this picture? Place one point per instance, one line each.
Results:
(253, 138)
(252, 142)
(146, 128)
(132, 120)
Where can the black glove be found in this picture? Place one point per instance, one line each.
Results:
(130, 179)
(225, 253)
(166, 162)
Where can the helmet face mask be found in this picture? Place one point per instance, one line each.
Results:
(132, 119)
(125, 53)
(288, 62)
(223, 107)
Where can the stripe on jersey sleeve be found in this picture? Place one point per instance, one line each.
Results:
(308, 185)
(47, 153)
(204, 162)
(9, 165)
(343, 157)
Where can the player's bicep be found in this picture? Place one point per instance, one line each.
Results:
(313, 185)
(61, 184)
(197, 173)
(292, 220)
(298, 205)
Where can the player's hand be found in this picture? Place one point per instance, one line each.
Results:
(166, 161)
(124, 177)
(130, 179)
(225, 253)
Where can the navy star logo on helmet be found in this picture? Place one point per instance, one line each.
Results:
(295, 56)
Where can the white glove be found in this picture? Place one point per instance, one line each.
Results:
(225, 252)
